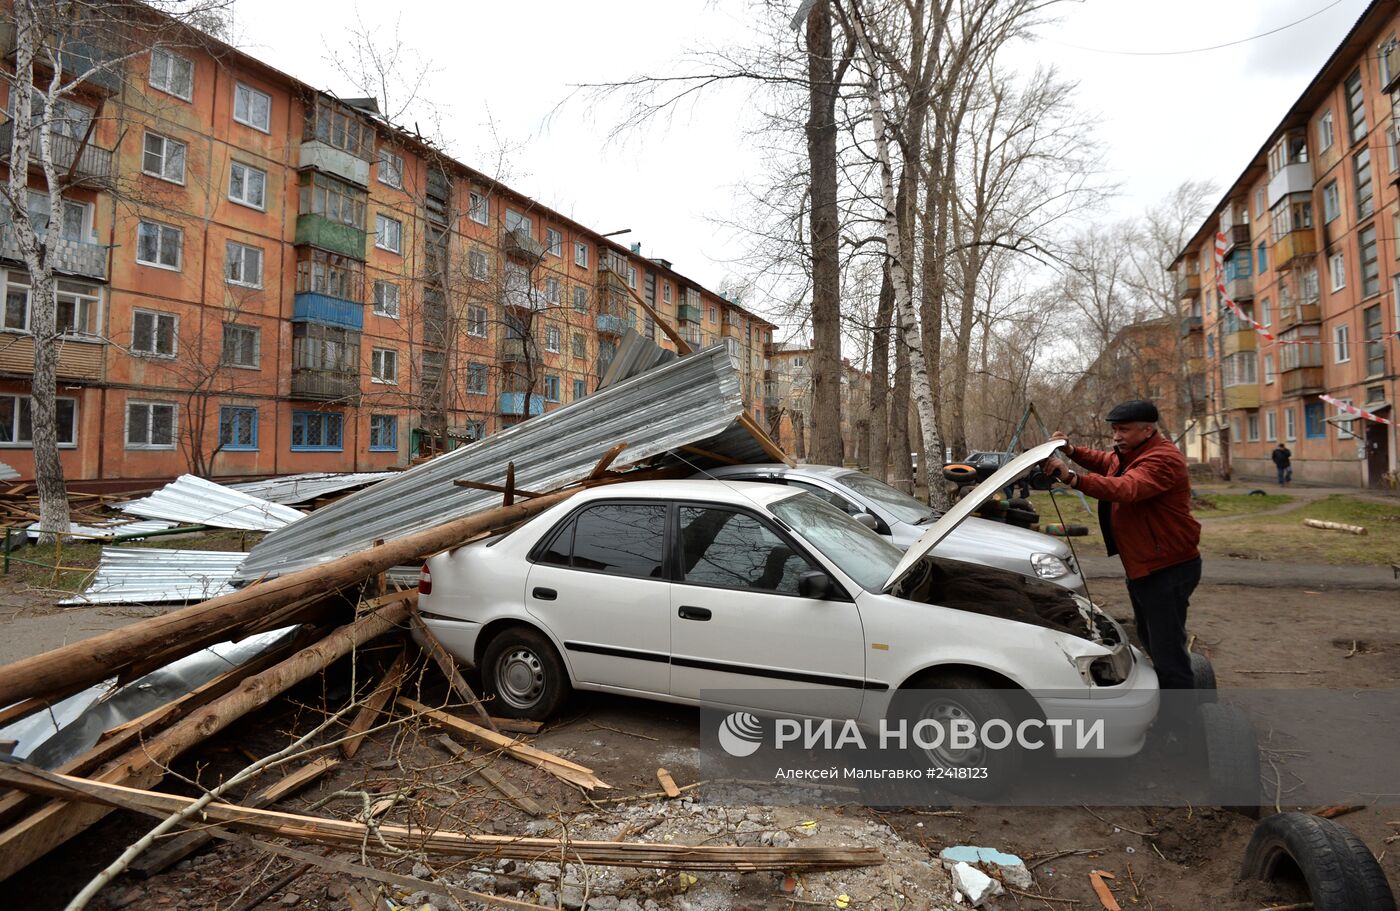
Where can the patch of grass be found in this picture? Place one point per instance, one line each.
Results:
(1285, 537)
(1235, 504)
(68, 567)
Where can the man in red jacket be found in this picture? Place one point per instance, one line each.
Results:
(1144, 495)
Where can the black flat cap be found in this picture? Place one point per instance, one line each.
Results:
(1133, 410)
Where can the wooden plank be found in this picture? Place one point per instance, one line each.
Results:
(494, 779)
(448, 666)
(682, 346)
(496, 488)
(605, 461)
(764, 440)
(386, 690)
(668, 784)
(517, 725)
(1096, 879)
(713, 456)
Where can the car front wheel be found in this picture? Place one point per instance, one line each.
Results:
(524, 675)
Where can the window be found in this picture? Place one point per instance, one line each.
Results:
(1290, 425)
(1251, 422)
(553, 242)
(313, 430)
(339, 127)
(1375, 342)
(153, 333)
(476, 321)
(666, 292)
(1356, 109)
(580, 389)
(632, 276)
(251, 107)
(384, 366)
(1344, 427)
(479, 265)
(1270, 426)
(430, 369)
(247, 185)
(552, 292)
(238, 427)
(159, 245)
(390, 168)
(1337, 271)
(1268, 369)
(1266, 314)
(1331, 202)
(164, 157)
(77, 308)
(474, 430)
(388, 233)
(333, 199)
(723, 548)
(320, 272)
(74, 223)
(172, 73)
(478, 209)
(551, 388)
(581, 300)
(1365, 199)
(243, 265)
(386, 299)
(1260, 205)
(622, 539)
(1324, 132)
(1370, 261)
(476, 379)
(552, 339)
(580, 345)
(383, 433)
(713, 315)
(517, 222)
(1314, 425)
(17, 422)
(241, 346)
(581, 254)
(150, 425)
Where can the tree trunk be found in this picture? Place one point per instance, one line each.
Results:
(825, 229)
(879, 449)
(956, 402)
(799, 437)
(901, 471)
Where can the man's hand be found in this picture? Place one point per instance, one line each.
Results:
(1057, 470)
(1059, 435)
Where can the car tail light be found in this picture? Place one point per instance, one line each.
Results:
(425, 581)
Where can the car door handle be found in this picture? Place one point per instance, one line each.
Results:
(695, 613)
(545, 594)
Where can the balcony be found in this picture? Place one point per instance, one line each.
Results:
(513, 403)
(1190, 324)
(1391, 55)
(1242, 396)
(329, 159)
(319, 231)
(732, 330)
(325, 385)
(309, 306)
(1293, 245)
(77, 360)
(608, 324)
(512, 350)
(69, 257)
(687, 313)
(1188, 285)
(1240, 340)
(1235, 236)
(1298, 315)
(521, 244)
(692, 336)
(1240, 289)
(1293, 178)
(93, 166)
(1302, 381)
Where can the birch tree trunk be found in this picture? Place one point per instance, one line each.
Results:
(879, 450)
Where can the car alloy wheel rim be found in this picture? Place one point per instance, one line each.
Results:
(520, 678)
(946, 711)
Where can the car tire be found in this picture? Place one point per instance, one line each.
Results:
(523, 675)
(959, 473)
(1232, 757)
(1339, 870)
(1203, 676)
(963, 696)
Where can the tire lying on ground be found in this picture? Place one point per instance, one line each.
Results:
(1340, 872)
(1231, 752)
(959, 473)
(1203, 674)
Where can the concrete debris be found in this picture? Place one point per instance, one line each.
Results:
(1008, 868)
(975, 886)
(200, 502)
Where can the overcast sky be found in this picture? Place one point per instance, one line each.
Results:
(501, 71)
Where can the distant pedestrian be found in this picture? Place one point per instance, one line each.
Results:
(1283, 461)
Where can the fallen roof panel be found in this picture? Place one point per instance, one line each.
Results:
(303, 488)
(691, 401)
(109, 530)
(151, 575)
(195, 500)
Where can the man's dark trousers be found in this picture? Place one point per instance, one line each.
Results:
(1159, 601)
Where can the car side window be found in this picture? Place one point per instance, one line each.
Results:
(561, 548)
(624, 539)
(725, 548)
(835, 499)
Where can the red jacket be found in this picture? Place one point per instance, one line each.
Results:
(1151, 503)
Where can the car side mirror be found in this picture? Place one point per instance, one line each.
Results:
(814, 584)
(867, 520)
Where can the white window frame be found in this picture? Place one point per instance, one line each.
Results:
(554, 242)
(523, 223)
(581, 254)
(1344, 427)
(170, 58)
(479, 265)
(1331, 202)
(479, 207)
(257, 346)
(553, 290)
(1325, 132)
(666, 292)
(161, 227)
(632, 277)
(553, 339)
(1251, 424)
(17, 443)
(380, 240)
(165, 157)
(476, 327)
(157, 316)
(89, 300)
(150, 421)
(580, 299)
(235, 250)
(1290, 425)
(248, 171)
(1269, 374)
(1341, 343)
(388, 156)
(379, 305)
(1337, 271)
(1270, 426)
(380, 359)
(241, 88)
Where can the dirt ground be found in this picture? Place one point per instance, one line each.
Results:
(1168, 859)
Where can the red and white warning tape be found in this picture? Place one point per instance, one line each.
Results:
(1235, 308)
(1359, 412)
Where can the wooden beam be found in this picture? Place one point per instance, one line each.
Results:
(764, 440)
(386, 690)
(509, 494)
(494, 779)
(448, 665)
(714, 456)
(605, 461)
(682, 346)
(497, 488)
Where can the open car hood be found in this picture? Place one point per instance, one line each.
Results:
(967, 506)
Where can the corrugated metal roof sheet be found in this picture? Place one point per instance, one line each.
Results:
(7, 472)
(303, 488)
(693, 400)
(634, 355)
(109, 530)
(195, 500)
(151, 575)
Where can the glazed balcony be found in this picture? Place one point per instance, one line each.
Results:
(1235, 236)
(1245, 395)
(1299, 315)
(689, 314)
(1240, 289)
(610, 324)
(1294, 245)
(1190, 324)
(320, 231)
(1302, 381)
(325, 385)
(513, 403)
(1239, 340)
(1188, 285)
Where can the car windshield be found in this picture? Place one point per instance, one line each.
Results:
(904, 507)
(859, 552)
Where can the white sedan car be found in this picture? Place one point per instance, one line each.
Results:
(672, 589)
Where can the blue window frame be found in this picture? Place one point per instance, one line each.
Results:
(580, 389)
(316, 431)
(383, 433)
(1238, 265)
(551, 388)
(1263, 259)
(238, 428)
(474, 430)
(1314, 421)
(476, 379)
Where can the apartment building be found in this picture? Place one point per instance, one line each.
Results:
(1311, 253)
(789, 403)
(1139, 362)
(260, 278)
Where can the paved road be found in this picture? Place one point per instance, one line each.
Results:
(1268, 574)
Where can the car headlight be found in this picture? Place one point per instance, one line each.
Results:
(1049, 566)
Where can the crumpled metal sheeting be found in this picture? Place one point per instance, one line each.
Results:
(303, 488)
(635, 355)
(151, 575)
(693, 400)
(201, 502)
(7, 472)
(109, 530)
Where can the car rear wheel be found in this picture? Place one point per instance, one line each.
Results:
(524, 675)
